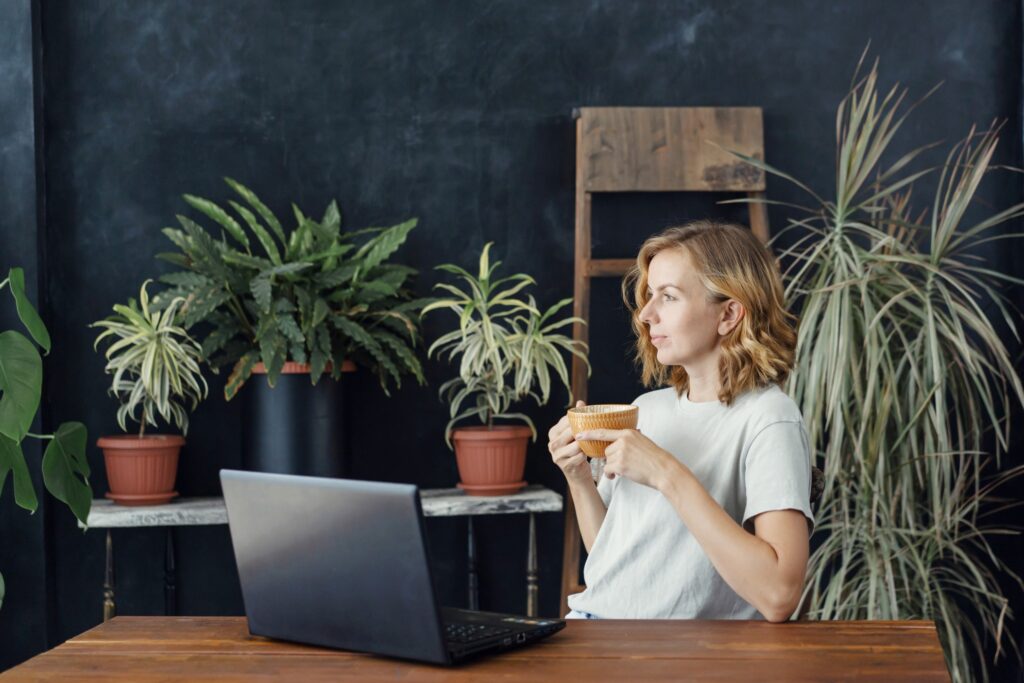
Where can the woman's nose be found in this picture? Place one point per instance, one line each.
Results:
(646, 311)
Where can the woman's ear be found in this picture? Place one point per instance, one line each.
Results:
(732, 313)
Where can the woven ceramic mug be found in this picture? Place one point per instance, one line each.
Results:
(601, 416)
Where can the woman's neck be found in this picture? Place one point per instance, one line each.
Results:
(703, 388)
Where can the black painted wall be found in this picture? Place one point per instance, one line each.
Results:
(456, 112)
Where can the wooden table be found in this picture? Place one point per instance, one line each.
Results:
(208, 648)
(454, 502)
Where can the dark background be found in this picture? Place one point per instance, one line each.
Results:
(456, 112)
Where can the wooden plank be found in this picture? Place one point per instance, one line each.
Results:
(609, 267)
(204, 648)
(667, 149)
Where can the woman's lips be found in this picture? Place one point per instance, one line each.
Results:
(656, 339)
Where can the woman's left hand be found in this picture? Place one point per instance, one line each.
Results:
(634, 456)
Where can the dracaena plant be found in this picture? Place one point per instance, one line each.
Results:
(65, 467)
(505, 345)
(310, 294)
(154, 363)
(901, 376)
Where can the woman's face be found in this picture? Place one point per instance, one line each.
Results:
(683, 324)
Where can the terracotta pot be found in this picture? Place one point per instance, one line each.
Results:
(491, 460)
(141, 470)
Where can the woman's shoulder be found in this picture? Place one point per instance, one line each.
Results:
(770, 404)
(668, 395)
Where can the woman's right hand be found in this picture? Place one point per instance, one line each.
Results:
(566, 453)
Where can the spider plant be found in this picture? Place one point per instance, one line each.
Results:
(154, 363)
(506, 345)
(901, 377)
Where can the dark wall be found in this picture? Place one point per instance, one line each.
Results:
(456, 112)
(24, 560)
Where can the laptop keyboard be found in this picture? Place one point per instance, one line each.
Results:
(469, 633)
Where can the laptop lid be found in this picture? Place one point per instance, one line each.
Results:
(334, 562)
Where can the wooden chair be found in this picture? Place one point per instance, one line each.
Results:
(650, 149)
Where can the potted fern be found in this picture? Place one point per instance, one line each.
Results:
(292, 305)
(901, 374)
(155, 368)
(506, 349)
(64, 465)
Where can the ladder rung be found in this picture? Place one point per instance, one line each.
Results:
(606, 267)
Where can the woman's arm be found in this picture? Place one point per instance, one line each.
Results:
(590, 509)
(766, 569)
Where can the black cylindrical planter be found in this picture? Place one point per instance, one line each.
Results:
(295, 427)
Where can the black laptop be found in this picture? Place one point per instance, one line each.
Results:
(344, 564)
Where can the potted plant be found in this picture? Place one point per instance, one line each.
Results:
(155, 368)
(902, 376)
(292, 305)
(64, 465)
(506, 348)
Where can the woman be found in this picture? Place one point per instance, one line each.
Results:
(703, 511)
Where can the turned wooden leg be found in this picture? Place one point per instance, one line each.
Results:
(170, 576)
(109, 609)
(474, 588)
(531, 571)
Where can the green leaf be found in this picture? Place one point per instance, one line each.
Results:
(12, 459)
(66, 470)
(185, 279)
(356, 333)
(220, 216)
(262, 291)
(321, 353)
(21, 384)
(239, 374)
(383, 245)
(336, 277)
(331, 221)
(202, 303)
(374, 290)
(261, 234)
(290, 329)
(26, 311)
(250, 197)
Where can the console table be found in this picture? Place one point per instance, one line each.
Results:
(105, 514)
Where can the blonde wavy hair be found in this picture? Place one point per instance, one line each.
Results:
(732, 264)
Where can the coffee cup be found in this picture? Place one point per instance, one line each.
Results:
(601, 416)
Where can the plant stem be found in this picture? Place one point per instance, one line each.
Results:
(39, 436)
(4, 283)
(142, 423)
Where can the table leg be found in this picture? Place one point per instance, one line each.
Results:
(109, 609)
(531, 571)
(474, 588)
(170, 576)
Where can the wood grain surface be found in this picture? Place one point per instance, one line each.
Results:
(220, 648)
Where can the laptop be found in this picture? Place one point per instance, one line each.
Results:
(344, 564)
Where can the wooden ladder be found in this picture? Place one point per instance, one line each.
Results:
(650, 149)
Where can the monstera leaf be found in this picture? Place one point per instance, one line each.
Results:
(65, 469)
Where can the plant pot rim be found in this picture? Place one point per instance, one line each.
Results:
(293, 368)
(133, 441)
(483, 432)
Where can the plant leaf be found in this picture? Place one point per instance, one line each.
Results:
(21, 383)
(66, 470)
(13, 460)
(26, 311)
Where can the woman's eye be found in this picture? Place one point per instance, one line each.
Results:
(669, 297)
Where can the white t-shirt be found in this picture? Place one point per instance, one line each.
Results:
(752, 456)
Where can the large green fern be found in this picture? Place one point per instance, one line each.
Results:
(313, 294)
